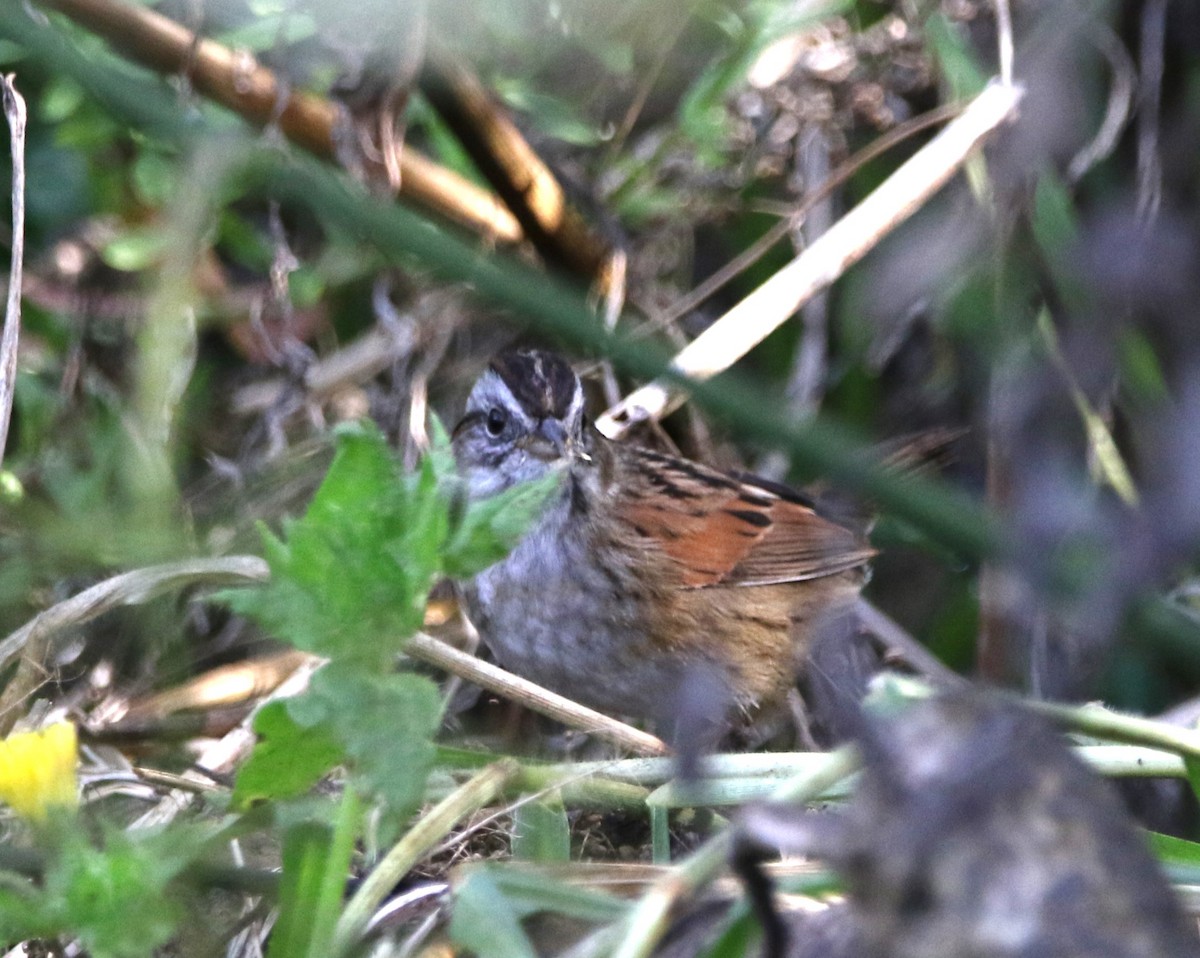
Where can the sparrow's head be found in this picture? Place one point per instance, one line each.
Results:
(524, 418)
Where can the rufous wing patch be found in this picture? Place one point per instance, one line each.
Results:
(723, 532)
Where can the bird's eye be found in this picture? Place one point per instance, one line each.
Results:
(497, 419)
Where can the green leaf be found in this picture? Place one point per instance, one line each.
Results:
(305, 287)
(1055, 223)
(441, 451)
(155, 176)
(385, 724)
(528, 891)
(1180, 858)
(316, 861)
(552, 115)
(490, 528)
(739, 934)
(540, 831)
(350, 580)
(485, 922)
(271, 31)
(288, 759)
(955, 58)
(23, 911)
(1141, 371)
(1192, 766)
(116, 898)
(134, 250)
(63, 97)
(1056, 229)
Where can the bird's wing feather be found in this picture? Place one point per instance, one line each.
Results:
(721, 530)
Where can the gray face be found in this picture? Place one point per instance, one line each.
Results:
(523, 419)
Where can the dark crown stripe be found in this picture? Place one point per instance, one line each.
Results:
(544, 384)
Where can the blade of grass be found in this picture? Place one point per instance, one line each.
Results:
(316, 863)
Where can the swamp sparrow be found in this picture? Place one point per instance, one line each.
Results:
(644, 569)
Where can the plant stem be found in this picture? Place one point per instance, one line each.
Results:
(649, 918)
(474, 794)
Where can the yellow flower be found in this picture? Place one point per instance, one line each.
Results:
(37, 771)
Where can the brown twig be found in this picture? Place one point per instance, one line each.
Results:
(430, 650)
(516, 172)
(237, 81)
(14, 112)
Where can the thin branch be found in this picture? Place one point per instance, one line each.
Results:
(14, 113)
(526, 184)
(846, 242)
(761, 246)
(533, 696)
(237, 81)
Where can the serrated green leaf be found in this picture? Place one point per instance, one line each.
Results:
(489, 529)
(116, 898)
(23, 911)
(288, 760)
(351, 578)
(385, 724)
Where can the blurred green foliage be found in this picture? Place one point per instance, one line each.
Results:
(350, 581)
(150, 209)
(117, 895)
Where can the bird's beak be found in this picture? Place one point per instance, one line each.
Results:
(549, 443)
